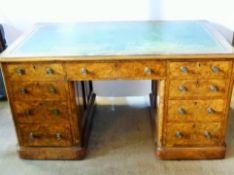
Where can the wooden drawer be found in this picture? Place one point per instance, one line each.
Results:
(44, 135)
(35, 71)
(141, 70)
(183, 70)
(157, 69)
(191, 70)
(215, 69)
(194, 134)
(90, 71)
(119, 70)
(179, 89)
(41, 112)
(196, 110)
(39, 90)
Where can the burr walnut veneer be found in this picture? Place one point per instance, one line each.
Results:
(49, 71)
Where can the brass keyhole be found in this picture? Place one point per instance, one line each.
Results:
(197, 83)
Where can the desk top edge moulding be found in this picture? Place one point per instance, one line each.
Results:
(48, 74)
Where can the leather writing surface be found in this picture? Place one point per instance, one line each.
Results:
(120, 38)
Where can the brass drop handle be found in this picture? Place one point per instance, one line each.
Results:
(28, 112)
(23, 90)
(184, 69)
(215, 69)
(50, 71)
(210, 110)
(58, 136)
(213, 88)
(20, 71)
(52, 90)
(182, 88)
(84, 71)
(31, 136)
(181, 111)
(207, 134)
(56, 111)
(179, 134)
(147, 70)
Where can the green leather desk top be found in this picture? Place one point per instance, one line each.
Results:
(120, 38)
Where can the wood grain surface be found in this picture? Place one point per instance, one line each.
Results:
(196, 110)
(197, 89)
(202, 69)
(32, 72)
(116, 70)
(52, 99)
(193, 134)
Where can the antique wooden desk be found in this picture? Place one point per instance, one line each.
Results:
(49, 72)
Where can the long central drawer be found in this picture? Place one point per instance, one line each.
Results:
(119, 70)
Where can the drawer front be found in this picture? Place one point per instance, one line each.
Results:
(44, 135)
(124, 69)
(41, 112)
(183, 70)
(189, 70)
(90, 71)
(193, 134)
(39, 90)
(215, 69)
(119, 70)
(196, 110)
(197, 88)
(35, 72)
(149, 69)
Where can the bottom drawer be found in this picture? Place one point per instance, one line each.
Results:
(194, 134)
(44, 135)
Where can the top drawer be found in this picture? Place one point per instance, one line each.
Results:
(116, 70)
(209, 69)
(37, 71)
(89, 71)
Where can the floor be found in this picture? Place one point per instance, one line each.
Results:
(120, 143)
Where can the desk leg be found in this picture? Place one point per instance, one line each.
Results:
(157, 109)
(85, 108)
(153, 102)
(87, 116)
(153, 95)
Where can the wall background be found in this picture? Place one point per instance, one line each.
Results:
(19, 16)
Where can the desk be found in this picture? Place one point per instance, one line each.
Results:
(49, 71)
